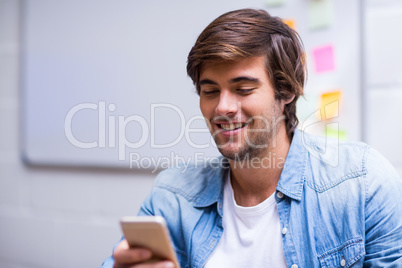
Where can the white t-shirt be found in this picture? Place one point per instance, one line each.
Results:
(251, 236)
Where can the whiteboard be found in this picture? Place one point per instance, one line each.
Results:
(104, 82)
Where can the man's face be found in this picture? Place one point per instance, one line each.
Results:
(238, 102)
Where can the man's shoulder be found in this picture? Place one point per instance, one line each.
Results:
(322, 143)
(192, 179)
(334, 152)
(333, 161)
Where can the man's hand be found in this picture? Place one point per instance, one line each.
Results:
(126, 257)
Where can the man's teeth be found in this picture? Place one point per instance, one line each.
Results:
(232, 126)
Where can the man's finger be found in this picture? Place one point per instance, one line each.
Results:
(163, 264)
(124, 254)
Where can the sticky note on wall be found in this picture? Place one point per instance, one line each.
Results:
(330, 104)
(320, 13)
(291, 23)
(335, 132)
(324, 58)
(274, 3)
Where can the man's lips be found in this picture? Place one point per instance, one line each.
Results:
(225, 126)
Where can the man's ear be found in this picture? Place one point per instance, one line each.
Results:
(289, 100)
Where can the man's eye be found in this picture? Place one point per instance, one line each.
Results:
(209, 92)
(245, 90)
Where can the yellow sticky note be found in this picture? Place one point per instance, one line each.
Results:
(330, 104)
(291, 23)
(274, 3)
(336, 133)
(320, 13)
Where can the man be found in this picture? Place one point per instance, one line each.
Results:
(272, 200)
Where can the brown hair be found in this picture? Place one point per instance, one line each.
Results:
(247, 33)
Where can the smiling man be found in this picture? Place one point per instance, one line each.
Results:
(239, 101)
(247, 123)
(271, 202)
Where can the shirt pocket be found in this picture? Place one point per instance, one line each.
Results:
(343, 256)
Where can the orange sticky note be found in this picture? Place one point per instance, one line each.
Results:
(330, 104)
(291, 23)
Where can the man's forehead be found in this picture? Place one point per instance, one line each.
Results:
(211, 63)
(247, 69)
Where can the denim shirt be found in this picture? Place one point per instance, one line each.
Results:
(339, 205)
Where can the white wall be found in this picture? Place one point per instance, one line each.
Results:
(53, 217)
(384, 77)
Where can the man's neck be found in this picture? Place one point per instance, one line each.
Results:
(256, 179)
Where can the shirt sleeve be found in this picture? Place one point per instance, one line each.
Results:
(383, 213)
(109, 262)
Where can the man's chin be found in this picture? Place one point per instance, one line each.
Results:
(235, 155)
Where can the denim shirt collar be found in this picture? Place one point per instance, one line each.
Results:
(213, 192)
(293, 174)
(290, 183)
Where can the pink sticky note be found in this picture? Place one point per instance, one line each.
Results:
(324, 58)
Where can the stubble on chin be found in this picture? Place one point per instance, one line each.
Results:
(252, 146)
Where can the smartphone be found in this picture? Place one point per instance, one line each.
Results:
(149, 232)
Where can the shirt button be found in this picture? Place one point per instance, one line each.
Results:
(343, 262)
(284, 230)
(279, 195)
(294, 266)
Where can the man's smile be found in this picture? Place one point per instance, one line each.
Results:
(231, 126)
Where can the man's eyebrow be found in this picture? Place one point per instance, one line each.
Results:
(207, 82)
(231, 81)
(245, 79)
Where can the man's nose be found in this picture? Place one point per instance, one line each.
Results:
(228, 103)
